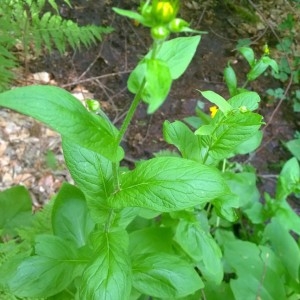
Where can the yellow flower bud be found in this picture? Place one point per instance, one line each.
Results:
(213, 110)
(164, 11)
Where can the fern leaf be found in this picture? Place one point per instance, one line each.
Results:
(45, 33)
(54, 5)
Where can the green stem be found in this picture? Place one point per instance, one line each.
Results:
(129, 117)
(245, 84)
(136, 99)
(131, 112)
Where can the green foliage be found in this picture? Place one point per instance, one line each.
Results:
(173, 227)
(257, 68)
(28, 22)
(288, 61)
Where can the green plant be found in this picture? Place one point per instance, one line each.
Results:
(257, 68)
(27, 22)
(163, 230)
(288, 61)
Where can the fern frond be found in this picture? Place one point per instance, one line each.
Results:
(54, 30)
(22, 20)
(7, 63)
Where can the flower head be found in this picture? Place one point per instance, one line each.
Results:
(213, 110)
(164, 11)
(266, 49)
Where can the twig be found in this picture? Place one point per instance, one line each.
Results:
(279, 103)
(95, 78)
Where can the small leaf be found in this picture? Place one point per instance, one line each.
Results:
(248, 53)
(230, 79)
(259, 68)
(108, 276)
(132, 15)
(178, 134)
(167, 184)
(15, 207)
(289, 179)
(165, 276)
(294, 147)
(64, 113)
(248, 99)
(70, 216)
(218, 100)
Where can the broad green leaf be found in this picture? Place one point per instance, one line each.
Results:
(271, 62)
(167, 184)
(259, 272)
(248, 99)
(244, 186)
(158, 84)
(108, 277)
(250, 287)
(226, 205)
(178, 134)
(137, 76)
(189, 236)
(217, 292)
(156, 74)
(15, 207)
(249, 145)
(294, 147)
(150, 240)
(64, 113)
(261, 67)
(248, 53)
(91, 171)
(228, 132)
(286, 216)
(286, 248)
(165, 276)
(202, 248)
(47, 273)
(230, 79)
(64, 295)
(289, 179)
(93, 174)
(218, 100)
(70, 216)
(178, 53)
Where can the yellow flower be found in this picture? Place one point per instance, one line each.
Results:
(213, 110)
(164, 11)
(266, 49)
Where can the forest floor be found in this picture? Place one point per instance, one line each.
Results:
(31, 154)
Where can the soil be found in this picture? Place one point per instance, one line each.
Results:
(102, 71)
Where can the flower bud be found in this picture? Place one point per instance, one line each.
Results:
(159, 32)
(163, 11)
(176, 25)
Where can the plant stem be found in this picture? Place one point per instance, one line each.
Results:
(129, 116)
(131, 112)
